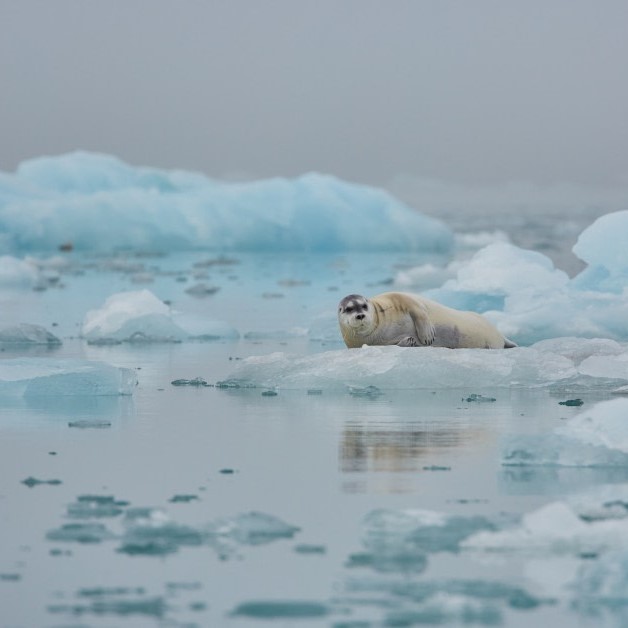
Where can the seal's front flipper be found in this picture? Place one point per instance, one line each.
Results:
(424, 329)
(408, 341)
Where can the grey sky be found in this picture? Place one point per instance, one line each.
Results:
(471, 92)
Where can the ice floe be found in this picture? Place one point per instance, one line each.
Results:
(139, 316)
(595, 437)
(97, 202)
(394, 367)
(47, 377)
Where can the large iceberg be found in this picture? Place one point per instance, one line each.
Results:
(97, 202)
(395, 368)
(46, 377)
(139, 316)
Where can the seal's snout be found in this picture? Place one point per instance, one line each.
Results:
(360, 316)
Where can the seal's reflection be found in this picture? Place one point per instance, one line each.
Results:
(398, 447)
(394, 449)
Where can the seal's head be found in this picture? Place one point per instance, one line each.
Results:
(355, 313)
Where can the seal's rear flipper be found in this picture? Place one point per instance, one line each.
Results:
(509, 344)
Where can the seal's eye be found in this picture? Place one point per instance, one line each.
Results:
(349, 309)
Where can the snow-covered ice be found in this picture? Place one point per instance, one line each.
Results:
(49, 377)
(97, 202)
(139, 316)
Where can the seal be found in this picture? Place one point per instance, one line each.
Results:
(406, 320)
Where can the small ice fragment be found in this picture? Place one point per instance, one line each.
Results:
(80, 533)
(435, 467)
(183, 499)
(96, 506)
(197, 381)
(227, 471)
(474, 397)
(31, 482)
(306, 548)
(269, 393)
(571, 402)
(371, 392)
(10, 577)
(90, 423)
(254, 528)
(202, 290)
(281, 610)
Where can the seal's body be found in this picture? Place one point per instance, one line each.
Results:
(396, 318)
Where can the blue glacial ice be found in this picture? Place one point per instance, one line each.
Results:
(595, 437)
(33, 378)
(394, 367)
(139, 316)
(97, 202)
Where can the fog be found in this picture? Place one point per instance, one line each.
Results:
(481, 93)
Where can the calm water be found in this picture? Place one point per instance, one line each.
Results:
(312, 466)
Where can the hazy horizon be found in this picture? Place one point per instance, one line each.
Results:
(476, 94)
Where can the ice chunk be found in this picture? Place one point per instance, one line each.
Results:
(47, 377)
(281, 610)
(139, 316)
(554, 528)
(603, 425)
(253, 528)
(595, 437)
(603, 247)
(15, 273)
(394, 367)
(97, 202)
(81, 533)
(529, 300)
(26, 334)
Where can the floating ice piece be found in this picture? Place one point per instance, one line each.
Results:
(281, 609)
(139, 316)
(81, 533)
(420, 530)
(602, 586)
(16, 273)
(48, 377)
(97, 202)
(96, 507)
(603, 247)
(391, 367)
(26, 334)
(253, 528)
(554, 528)
(596, 437)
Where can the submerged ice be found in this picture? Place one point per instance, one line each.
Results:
(48, 377)
(97, 202)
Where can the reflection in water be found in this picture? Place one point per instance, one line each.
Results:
(381, 455)
(395, 447)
